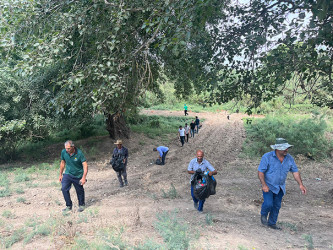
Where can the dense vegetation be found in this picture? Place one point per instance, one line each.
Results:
(64, 63)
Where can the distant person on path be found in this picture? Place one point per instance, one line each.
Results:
(122, 152)
(185, 110)
(272, 173)
(181, 134)
(162, 153)
(76, 168)
(192, 127)
(197, 123)
(187, 131)
(204, 165)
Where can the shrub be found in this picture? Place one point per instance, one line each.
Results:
(307, 135)
(174, 231)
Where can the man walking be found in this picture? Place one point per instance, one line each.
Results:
(185, 110)
(197, 123)
(192, 126)
(272, 173)
(204, 165)
(121, 152)
(162, 153)
(75, 165)
(187, 131)
(181, 135)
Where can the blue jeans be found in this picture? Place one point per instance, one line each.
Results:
(182, 140)
(163, 157)
(192, 132)
(271, 206)
(66, 183)
(195, 200)
(197, 128)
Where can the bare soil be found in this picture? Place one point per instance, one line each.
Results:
(235, 209)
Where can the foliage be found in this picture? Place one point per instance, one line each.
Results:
(171, 193)
(307, 135)
(174, 232)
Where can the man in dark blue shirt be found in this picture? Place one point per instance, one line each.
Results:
(272, 173)
(122, 152)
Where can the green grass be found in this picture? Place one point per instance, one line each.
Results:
(21, 199)
(8, 214)
(19, 190)
(171, 193)
(153, 125)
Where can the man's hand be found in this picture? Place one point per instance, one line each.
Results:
(265, 188)
(60, 178)
(303, 189)
(83, 181)
(124, 161)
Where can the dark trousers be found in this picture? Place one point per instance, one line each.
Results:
(122, 173)
(197, 128)
(271, 206)
(66, 184)
(185, 112)
(163, 157)
(182, 140)
(187, 137)
(195, 200)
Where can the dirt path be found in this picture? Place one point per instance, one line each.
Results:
(235, 208)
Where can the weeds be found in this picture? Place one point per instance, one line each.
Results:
(309, 240)
(174, 231)
(209, 219)
(171, 193)
(291, 226)
(16, 236)
(21, 199)
(8, 214)
(19, 190)
(21, 176)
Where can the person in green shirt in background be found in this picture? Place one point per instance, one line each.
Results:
(76, 168)
(185, 110)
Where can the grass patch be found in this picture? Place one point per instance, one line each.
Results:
(309, 241)
(21, 199)
(19, 190)
(174, 231)
(21, 175)
(209, 219)
(171, 193)
(151, 125)
(8, 214)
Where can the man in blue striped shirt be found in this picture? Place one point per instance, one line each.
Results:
(272, 173)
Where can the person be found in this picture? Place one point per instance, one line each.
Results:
(121, 151)
(197, 123)
(76, 169)
(193, 166)
(187, 131)
(162, 153)
(181, 135)
(185, 110)
(272, 172)
(192, 126)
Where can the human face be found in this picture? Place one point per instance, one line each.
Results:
(282, 152)
(119, 146)
(200, 156)
(69, 149)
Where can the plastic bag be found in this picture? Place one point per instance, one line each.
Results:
(203, 185)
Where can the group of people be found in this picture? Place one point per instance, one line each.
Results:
(185, 132)
(272, 173)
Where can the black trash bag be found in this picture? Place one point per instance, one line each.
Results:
(117, 163)
(158, 162)
(203, 185)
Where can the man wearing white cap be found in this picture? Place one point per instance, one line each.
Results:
(272, 173)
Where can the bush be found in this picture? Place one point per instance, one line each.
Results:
(307, 136)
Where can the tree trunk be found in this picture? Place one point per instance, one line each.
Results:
(116, 126)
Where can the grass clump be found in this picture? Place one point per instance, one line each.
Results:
(307, 135)
(309, 240)
(7, 214)
(21, 175)
(21, 199)
(171, 193)
(174, 231)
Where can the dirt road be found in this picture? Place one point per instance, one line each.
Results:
(234, 209)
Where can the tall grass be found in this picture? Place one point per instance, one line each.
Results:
(307, 135)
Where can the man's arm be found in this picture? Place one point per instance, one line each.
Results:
(212, 173)
(261, 176)
(297, 177)
(62, 167)
(85, 172)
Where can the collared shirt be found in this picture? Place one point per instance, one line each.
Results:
(162, 149)
(275, 171)
(74, 165)
(194, 165)
(123, 152)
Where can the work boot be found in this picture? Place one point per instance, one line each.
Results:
(126, 183)
(264, 220)
(81, 209)
(275, 227)
(67, 209)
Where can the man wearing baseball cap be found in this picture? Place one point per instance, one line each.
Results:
(272, 173)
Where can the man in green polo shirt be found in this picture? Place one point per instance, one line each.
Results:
(75, 165)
